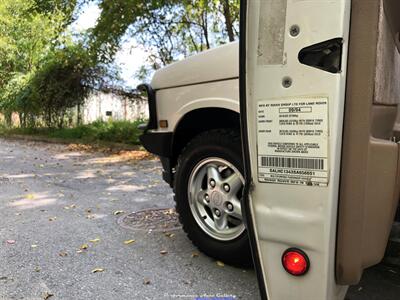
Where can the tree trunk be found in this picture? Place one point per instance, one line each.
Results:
(79, 115)
(204, 27)
(228, 20)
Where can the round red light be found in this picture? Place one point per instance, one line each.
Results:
(295, 262)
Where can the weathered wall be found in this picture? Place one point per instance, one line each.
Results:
(121, 108)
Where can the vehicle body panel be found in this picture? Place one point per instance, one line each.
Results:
(175, 103)
(285, 215)
(213, 65)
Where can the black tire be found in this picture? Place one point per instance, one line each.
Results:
(224, 144)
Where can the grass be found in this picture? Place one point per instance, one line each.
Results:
(124, 132)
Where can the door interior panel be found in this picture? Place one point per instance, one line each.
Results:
(369, 190)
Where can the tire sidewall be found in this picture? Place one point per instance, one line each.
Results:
(192, 156)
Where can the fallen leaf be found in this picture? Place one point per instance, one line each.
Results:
(195, 254)
(34, 246)
(95, 240)
(79, 251)
(97, 270)
(171, 211)
(63, 254)
(37, 269)
(163, 252)
(146, 281)
(84, 247)
(118, 212)
(30, 196)
(11, 242)
(47, 295)
(170, 235)
(129, 242)
(220, 264)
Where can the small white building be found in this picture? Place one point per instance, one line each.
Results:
(114, 104)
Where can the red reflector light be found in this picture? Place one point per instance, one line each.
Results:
(295, 262)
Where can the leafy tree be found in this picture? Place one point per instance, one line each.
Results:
(168, 28)
(63, 82)
(43, 72)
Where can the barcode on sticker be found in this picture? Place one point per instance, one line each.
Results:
(292, 162)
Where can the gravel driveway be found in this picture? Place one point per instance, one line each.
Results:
(60, 237)
(54, 201)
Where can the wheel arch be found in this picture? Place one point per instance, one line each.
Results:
(200, 120)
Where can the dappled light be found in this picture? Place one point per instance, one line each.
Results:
(87, 174)
(124, 188)
(67, 155)
(32, 201)
(124, 156)
(19, 176)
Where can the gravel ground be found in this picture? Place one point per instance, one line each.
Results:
(55, 200)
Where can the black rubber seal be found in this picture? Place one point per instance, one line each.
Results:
(246, 154)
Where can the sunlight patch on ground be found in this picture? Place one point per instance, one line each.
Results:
(123, 156)
(30, 201)
(125, 188)
(19, 176)
(66, 156)
(86, 174)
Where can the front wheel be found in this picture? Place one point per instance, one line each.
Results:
(208, 188)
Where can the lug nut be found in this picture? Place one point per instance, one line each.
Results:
(217, 212)
(207, 198)
(230, 207)
(227, 188)
(212, 183)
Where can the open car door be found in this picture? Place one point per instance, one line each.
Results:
(319, 94)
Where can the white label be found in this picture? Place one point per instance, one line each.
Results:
(293, 137)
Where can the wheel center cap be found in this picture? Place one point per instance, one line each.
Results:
(217, 199)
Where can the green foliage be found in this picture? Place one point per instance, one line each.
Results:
(112, 131)
(62, 83)
(43, 73)
(25, 36)
(167, 28)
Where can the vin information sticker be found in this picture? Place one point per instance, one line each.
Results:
(293, 137)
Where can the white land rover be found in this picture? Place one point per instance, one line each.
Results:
(194, 128)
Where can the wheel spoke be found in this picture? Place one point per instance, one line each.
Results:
(212, 173)
(200, 197)
(237, 209)
(234, 182)
(221, 222)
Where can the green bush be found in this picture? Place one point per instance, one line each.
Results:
(113, 131)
